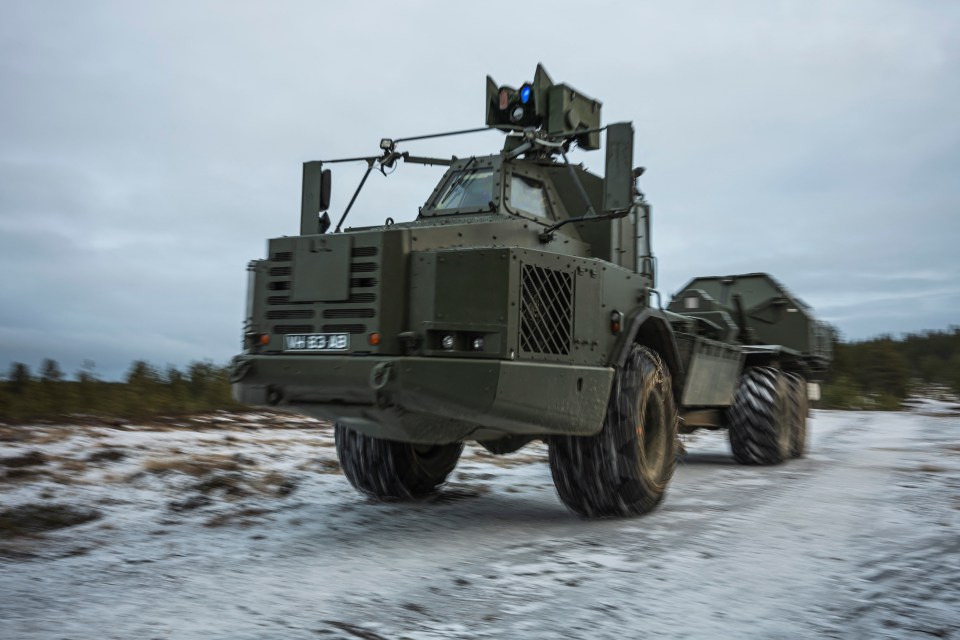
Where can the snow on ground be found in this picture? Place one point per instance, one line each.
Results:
(241, 526)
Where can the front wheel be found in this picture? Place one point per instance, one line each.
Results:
(386, 469)
(623, 470)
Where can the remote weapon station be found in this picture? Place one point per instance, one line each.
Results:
(518, 306)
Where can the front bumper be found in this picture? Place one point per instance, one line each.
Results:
(430, 400)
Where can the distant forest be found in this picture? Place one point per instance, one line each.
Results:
(146, 391)
(872, 374)
(880, 373)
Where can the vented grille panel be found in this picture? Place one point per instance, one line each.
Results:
(344, 328)
(293, 328)
(348, 313)
(290, 314)
(362, 297)
(354, 298)
(546, 306)
(363, 290)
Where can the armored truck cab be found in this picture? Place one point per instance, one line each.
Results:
(462, 324)
(515, 306)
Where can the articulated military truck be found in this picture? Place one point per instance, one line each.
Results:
(518, 305)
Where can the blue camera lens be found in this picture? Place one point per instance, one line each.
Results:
(525, 92)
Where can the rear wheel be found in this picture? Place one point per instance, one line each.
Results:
(623, 470)
(798, 405)
(386, 469)
(760, 417)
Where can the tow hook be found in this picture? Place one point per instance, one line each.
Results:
(240, 369)
(380, 376)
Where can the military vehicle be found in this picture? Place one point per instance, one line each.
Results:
(518, 305)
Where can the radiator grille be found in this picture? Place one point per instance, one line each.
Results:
(293, 328)
(344, 328)
(546, 304)
(362, 297)
(355, 298)
(290, 314)
(363, 291)
(348, 313)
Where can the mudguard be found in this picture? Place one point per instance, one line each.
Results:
(651, 328)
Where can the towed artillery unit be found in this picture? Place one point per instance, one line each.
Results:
(749, 348)
(516, 306)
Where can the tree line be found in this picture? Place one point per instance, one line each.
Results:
(145, 391)
(872, 374)
(882, 372)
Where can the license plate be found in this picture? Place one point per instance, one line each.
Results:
(317, 342)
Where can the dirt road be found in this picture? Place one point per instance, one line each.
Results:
(245, 530)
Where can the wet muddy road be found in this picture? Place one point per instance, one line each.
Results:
(245, 529)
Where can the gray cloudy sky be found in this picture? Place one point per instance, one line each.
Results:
(148, 149)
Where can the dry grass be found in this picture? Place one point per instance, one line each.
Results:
(14, 434)
(231, 483)
(30, 519)
(24, 474)
(67, 479)
(320, 466)
(275, 483)
(282, 443)
(73, 465)
(196, 465)
(931, 468)
(515, 460)
(224, 420)
(243, 518)
(107, 455)
(328, 466)
(33, 458)
(49, 436)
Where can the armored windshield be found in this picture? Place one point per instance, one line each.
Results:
(469, 189)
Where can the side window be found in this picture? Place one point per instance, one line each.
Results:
(528, 196)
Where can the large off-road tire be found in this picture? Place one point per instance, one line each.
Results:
(798, 407)
(760, 417)
(623, 470)
(386, 469)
